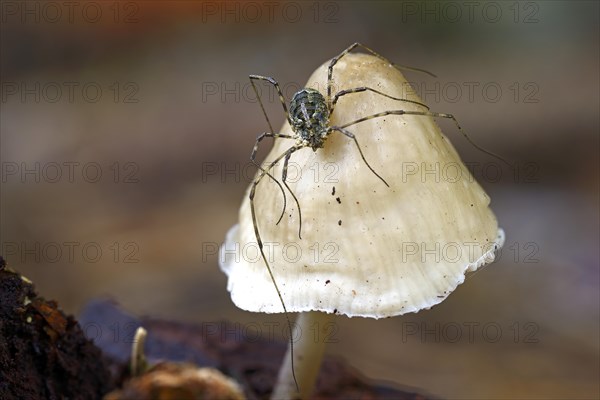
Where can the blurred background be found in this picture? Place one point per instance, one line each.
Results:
(126, 129)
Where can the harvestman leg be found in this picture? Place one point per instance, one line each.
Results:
(352, 47)
(397, 112)
(253, 159)
(264, 172)
(283, 179)
(285, 110)
(426, 114)
(274, 135)
(333, 102)
(286, 154)
(351, 136)
(281, 98)
(364, 89)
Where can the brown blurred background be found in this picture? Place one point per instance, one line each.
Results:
(120, 121)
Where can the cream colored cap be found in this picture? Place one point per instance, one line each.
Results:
(367, 249)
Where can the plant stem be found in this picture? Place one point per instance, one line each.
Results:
(312, 328)
(138, 364)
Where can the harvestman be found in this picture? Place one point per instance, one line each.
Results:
(308, 117)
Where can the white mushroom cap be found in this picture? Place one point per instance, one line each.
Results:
(396, 250)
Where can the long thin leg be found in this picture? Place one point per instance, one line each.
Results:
(273, 135)
(283, 179)
(364, 89)
(262, 252)
(351, 136)
(281, 98)
(429, 114)
(352, 47)
(253, 159)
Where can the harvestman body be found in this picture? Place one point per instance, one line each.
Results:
(308, 116)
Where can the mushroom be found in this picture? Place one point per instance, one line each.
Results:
(366, 250)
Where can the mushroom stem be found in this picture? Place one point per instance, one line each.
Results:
(312, 329)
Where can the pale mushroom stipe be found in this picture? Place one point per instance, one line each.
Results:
(367, 229)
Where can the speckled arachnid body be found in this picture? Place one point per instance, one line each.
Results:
(310, 117)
